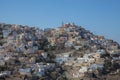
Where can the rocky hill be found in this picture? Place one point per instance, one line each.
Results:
(68, 52)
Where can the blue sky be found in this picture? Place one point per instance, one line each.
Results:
(101, 17)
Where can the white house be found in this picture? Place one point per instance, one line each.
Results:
(5, 73)
(26, 71)
(82, 60)
(83, 69)
(96, 66)
(62, 57)
(77, 47)
(2, 62)
(101, 51)
(6, 32)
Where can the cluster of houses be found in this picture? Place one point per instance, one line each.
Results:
(22, 52)
(87, 53)
(27, 50)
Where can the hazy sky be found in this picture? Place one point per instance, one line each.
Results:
(101, 17)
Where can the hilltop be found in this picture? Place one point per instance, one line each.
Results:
(68, 52)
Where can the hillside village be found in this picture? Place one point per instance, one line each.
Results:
(68, 52)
